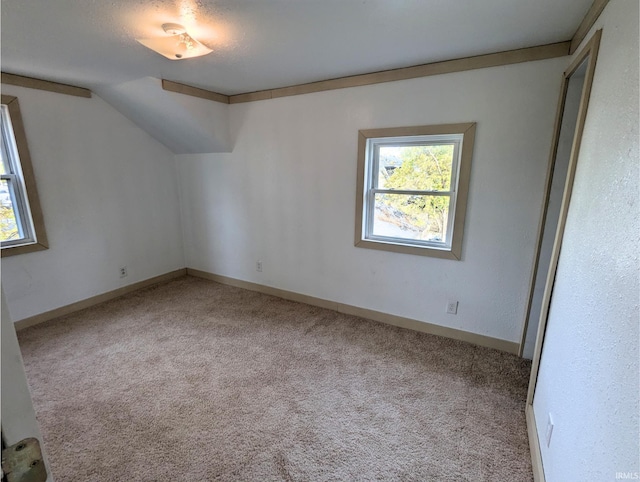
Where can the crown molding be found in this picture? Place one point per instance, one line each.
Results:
(39, 84)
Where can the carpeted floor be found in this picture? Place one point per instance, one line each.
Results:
(195, 381)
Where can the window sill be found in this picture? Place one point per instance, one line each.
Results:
(442, 253)
(22, 249)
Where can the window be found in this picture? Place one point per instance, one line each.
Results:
(412, 188)
(21, 223)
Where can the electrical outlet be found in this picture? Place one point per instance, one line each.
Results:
(123, 272)
(549, 430)
(259, 266)
(452, 307)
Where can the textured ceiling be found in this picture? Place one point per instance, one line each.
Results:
(263, 44)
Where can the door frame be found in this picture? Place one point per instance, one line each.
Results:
(590, 54)
(590, 49)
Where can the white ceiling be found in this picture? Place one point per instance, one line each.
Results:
(263, 44)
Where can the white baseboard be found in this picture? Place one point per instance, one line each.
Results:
(481, 340)
(94, 300)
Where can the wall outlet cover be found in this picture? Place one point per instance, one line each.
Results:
(549, 430)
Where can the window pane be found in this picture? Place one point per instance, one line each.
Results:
(420, 168)
(8, 220)
(421, 218)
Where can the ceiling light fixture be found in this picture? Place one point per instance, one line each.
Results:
(177, 45)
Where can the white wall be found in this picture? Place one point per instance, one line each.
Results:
(286, 196)
(110, 199)
(588, 377)
(183, 123)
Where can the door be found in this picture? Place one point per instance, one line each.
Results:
(578, 78)
(18, 416)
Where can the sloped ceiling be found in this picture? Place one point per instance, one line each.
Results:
(184, 124)
(261, 44)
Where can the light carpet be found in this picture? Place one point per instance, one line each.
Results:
(192, 380)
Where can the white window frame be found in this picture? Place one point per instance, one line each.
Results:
(21, 182)
(461, 136)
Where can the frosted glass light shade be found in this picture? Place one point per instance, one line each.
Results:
(176, 47)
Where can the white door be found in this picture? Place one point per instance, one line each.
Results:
(17, 415)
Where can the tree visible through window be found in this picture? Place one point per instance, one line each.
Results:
(414, 188)
(421, 169)
(9, 223)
